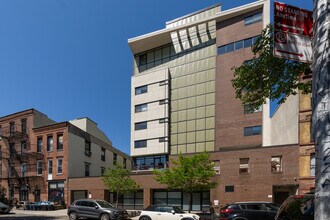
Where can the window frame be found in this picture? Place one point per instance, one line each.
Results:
(59, 166)
(39, 168)
(50, 146)
(276, 167)
(141, 90)
(137, 144)
(244, 168)
(39, 144)
(250, 131)
(59, 143)
(141, 108)
(141, 126)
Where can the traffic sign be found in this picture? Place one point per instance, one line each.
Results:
(293, 32)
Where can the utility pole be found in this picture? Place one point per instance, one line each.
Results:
(321, 106)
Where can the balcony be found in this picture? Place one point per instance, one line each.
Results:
(148, 167)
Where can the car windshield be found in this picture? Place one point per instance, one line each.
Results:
(105, 204)
(178, 210)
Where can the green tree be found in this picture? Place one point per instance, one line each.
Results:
(118, 180)
(189, 174)
(268, 77)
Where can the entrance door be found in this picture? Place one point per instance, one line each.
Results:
(24, 193)
(56, 192)
(280, 197)
(50, 169)
(37, 195)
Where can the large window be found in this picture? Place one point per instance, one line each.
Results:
(39, 167)
(59, 165)
(131, 201)
(60, 142)
(141, 90)
(155, 162)
(39, 145)
(140, 144)
(50, 143)
(312, 165)
(141, 108)
(250, 131)
(141, 125)
(237, 45)
(200, 200)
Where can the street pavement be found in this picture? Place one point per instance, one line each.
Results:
(19, 214)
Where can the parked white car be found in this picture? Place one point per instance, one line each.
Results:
(166, 212)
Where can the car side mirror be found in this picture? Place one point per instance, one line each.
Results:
(173, 212)
(96, 207)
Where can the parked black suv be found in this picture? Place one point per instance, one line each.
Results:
(249, 211)
(299, 207)
(95, 209)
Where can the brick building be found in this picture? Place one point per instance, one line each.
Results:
(182, 101)
(39, 156)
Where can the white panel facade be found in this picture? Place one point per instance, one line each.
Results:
(156, 99)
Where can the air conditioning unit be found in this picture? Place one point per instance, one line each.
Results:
(88, 153)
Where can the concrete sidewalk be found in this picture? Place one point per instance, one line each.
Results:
(56, 213)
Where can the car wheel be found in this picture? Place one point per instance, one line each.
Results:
(144, 218)
(105, 217)
(73, 216)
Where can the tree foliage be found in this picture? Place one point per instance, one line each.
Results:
(118, 180)
(266, 76)
(189, 174)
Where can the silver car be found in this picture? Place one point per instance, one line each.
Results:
(95, 209)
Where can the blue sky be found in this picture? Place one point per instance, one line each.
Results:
(70, 58)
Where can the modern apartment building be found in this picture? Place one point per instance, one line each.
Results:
(182, 101)
(39, 156)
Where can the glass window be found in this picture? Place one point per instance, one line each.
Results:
(276, 164)
(50, 166)
(141, 108)
(102, 170)
(238, 45)
(50, 143)
(114, 159)
(23, 124)
(312, 165)
(39, 145)
(141, 90)
(248, 109)
(87, 146)
(250, 131)
(253, 19)
(60, 142)
(248, 43)
(59, 165)
(87, 165)
(143, 59)
(39, 167)
(11, 128)
(23, 147)
(103, 154)
(23, 169)
(221, 50)
(229, 189)
(230, 47)
(141, 125)
(125, 163)
(255, 39)
(140, 144)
